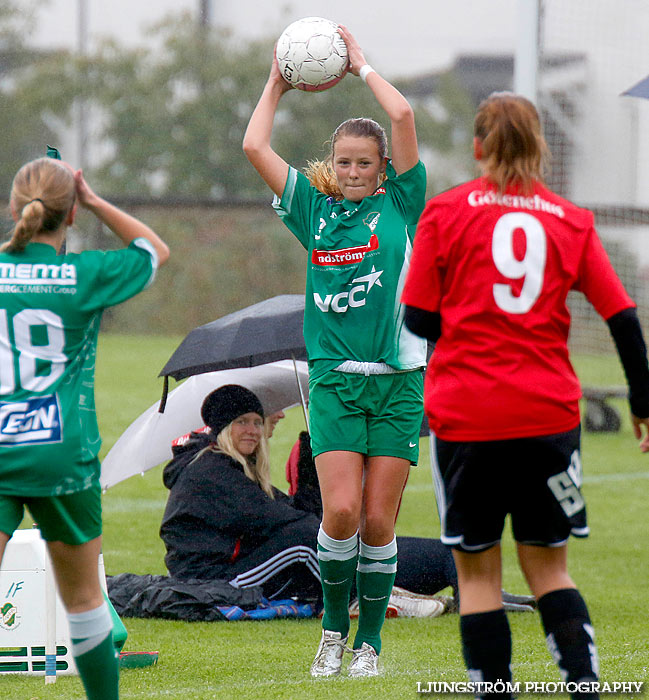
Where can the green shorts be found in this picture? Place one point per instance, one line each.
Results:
(72, 519)
(379, 414)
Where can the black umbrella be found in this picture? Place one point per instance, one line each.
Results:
(265, 332)
(640, 89)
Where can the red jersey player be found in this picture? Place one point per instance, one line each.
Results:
(493, 262)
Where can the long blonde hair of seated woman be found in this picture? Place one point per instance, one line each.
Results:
(256, 467)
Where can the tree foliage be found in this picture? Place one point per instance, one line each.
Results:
(175, 116)
(23, 129)
(172, 116)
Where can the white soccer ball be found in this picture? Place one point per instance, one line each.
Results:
(311, 54)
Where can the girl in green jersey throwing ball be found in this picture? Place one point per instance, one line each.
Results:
(355, 214)
(50, 310)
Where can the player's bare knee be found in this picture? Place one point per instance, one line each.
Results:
(377, 529)
(341, 519)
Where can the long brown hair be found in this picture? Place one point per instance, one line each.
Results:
(42, 195)
(321, 173)
(514, 151)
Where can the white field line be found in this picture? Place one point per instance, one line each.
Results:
(594, 479)
(131, 505)
(624, 476)
(227, 689)
(128, 505)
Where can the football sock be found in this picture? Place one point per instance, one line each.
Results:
(377, 567)
(487, 649)
(570, 637)
(337, 560)
(91, 634)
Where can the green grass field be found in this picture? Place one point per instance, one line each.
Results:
(270, 660)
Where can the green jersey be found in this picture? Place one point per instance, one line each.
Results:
(50, 310)
(358, 256)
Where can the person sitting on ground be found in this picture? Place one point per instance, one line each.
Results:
(224, 519)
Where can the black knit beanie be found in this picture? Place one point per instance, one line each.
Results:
(226, 404)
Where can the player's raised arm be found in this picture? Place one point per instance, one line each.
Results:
(256, 141)
(405, 152)
(126, 227)
(58, 300)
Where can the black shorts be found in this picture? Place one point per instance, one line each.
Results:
(536, 480)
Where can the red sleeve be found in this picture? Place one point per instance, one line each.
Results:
(599, 281)
(292, 473)
(423, 287)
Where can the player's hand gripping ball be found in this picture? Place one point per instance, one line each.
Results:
(311, 54)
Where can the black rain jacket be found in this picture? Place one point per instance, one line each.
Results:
(215, 513)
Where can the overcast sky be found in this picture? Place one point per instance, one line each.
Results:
(398, 37)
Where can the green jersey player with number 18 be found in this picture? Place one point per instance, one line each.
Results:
(355, 214)
(50, 310)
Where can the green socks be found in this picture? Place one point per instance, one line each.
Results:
(337, 570)
(377, 568)
(94, 653)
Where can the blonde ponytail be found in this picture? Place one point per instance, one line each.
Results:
(322, 176)
(42, 195)
(29, 223)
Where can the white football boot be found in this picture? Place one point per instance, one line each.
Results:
(329, 657)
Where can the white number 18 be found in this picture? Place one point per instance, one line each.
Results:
(28, 353)
(531, 267)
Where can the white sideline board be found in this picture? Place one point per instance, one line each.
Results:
(23, 609)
